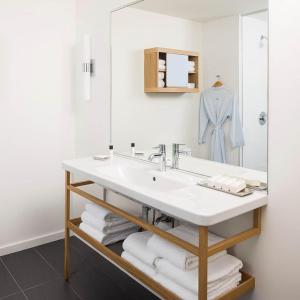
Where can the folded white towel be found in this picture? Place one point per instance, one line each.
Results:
(105, 227)
(106, 239)
(161, 75)
(103, 214)
(136, 244)
(186, 294)
(192, 69)
(219, 270)
(183, 293)
(177, 255)
(191, 63)
(139, 264)
(161, 83)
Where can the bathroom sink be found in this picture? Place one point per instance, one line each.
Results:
(173, 191)
(143, 177)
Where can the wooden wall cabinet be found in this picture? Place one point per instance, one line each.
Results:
(151, 71)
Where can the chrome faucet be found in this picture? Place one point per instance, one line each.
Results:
(162, 155)
(175, 154)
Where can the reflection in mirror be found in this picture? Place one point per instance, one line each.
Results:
(195, 73)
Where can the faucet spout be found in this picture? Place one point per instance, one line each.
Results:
(161, 155)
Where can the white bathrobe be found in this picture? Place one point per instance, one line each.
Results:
(216, 106)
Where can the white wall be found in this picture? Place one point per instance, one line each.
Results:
(273, 257)
(143, 118)
(36, 117)
(221, 57)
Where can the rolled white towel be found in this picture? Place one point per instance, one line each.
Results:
(161, 84)
(162, 62)
(139, 264)
(161, 75)
(106, 239)
(136, 244)
(106, 227)
(191, 85)
(219, 270)
(177, 255)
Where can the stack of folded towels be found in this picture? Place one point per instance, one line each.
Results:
(192, 66)
(104, 226)
(177, 269)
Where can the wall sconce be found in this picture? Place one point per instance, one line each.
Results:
(88, 66)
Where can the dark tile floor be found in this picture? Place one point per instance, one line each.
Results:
(37, 274)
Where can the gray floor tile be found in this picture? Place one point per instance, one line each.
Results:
(7, 284)
(54, 290)
(28, 268)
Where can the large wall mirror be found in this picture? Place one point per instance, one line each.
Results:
(192, 72)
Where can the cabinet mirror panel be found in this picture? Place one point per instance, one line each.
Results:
(193, 73)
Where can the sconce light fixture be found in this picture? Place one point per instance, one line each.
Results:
(88, 66)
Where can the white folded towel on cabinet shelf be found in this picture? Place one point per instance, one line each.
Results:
(136, 244)
(189, 295)
(106, 239)
(177, 255)
(221, 269)
(106, 227)
(150, 271)
(223, 272)
(104, 214)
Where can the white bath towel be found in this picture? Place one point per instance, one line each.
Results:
(161, 83)
(186, 294)
(219, 271)
(177, 255)
(136, 244)
(106, 239)
(104, 214)
(101, 225)
(191, 63)
(139, 264)
(161, 75)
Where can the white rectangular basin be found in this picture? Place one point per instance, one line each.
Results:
(142, 177)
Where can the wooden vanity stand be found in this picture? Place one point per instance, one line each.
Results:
(203, 251)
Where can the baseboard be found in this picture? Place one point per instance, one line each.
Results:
(30, 243)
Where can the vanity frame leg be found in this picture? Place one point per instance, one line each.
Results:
(203, 263)
(67, 230)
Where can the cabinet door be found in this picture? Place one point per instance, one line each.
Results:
(177, 70)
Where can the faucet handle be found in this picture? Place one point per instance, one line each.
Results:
(176, 146)
(161, 147)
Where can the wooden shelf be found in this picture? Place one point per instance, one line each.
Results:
(203, 251)
(151, 70)
(247, 283)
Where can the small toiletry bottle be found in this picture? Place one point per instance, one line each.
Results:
(132, 149)
(111, 151)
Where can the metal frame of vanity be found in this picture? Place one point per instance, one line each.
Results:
(203, 251)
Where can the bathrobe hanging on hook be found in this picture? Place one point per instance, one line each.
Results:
(217, 105)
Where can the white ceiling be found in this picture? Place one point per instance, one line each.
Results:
(202, 10)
